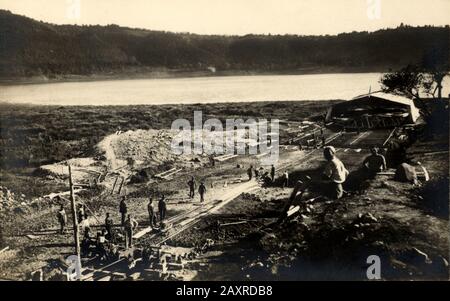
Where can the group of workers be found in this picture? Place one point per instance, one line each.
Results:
(334, 175)
(201, 189)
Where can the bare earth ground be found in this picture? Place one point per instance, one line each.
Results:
(406, 225)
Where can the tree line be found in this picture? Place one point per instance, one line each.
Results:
(30, 47)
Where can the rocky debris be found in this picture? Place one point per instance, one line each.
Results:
(251, 197)
(364, 220)
(12, 201)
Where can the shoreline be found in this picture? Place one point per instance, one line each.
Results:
(173, 74)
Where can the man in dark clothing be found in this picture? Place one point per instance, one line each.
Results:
(151, 214)
(191, 185)
(123, 210)
(202, 191)
(130, 225)
(272, 173)
(62, 218)
(250, 172)
(375, 162)
(162, 208)
(108, 226)
(80, 213)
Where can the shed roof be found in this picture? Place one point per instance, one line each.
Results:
(391, 97)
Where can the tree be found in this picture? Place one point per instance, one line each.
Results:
(436, 67)
(407, 81)
(411, 80)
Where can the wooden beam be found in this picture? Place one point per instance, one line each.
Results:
(114, 186)
(75, 220)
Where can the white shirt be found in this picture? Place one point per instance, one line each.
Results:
(336, 171)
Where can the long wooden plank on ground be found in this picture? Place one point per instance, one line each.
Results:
(167, 176)
(160, 175)
(224, 157)
(142, 232)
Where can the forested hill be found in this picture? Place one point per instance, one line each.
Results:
(30, 48)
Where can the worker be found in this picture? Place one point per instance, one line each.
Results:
(202, 191)
(272, 173)
(62, 218)
(80, 213)
(375, 162)
(84, 225)
(250, 172)
(101, 245)
(285, 179)
(123, 210)
(108, 226)
(151, 213)
(212, 161)
(86, 242)
(85, 212)
(130, 226)
(335, 173)
(192, 185)
(162, 207)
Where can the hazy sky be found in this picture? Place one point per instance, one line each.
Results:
(239, 16)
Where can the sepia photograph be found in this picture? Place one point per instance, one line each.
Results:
(224, 140)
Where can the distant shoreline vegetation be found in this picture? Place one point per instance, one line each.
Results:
(167, 74)
(38, 51)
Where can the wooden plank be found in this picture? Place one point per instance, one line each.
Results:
(389, 137)
(167, 177)
(163, 174)
(142, 232)
(293, 210)
(232, 224)
(74, 219)
(225, 158)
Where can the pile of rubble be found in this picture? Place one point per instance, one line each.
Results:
(9, 199)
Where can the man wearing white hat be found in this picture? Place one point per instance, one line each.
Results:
(335, 172)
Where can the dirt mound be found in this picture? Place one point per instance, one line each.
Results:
(82, 169)
(144, 148)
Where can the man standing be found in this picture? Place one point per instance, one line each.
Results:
(162, 208)
(123, 210)
(62, 218)
(250, 172)
(202, 191)
(335, 173)
(285, 179)
(80, 213)
(151, 213)
(130, 225)
(375, 162)
(191, 185)
(108, 226)
(272, 173)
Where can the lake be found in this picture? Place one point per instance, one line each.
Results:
(196, 89)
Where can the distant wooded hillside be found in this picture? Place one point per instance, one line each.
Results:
(29, 48)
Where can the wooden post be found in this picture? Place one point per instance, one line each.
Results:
(121, 184)
(114, 186)
(75, 220)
